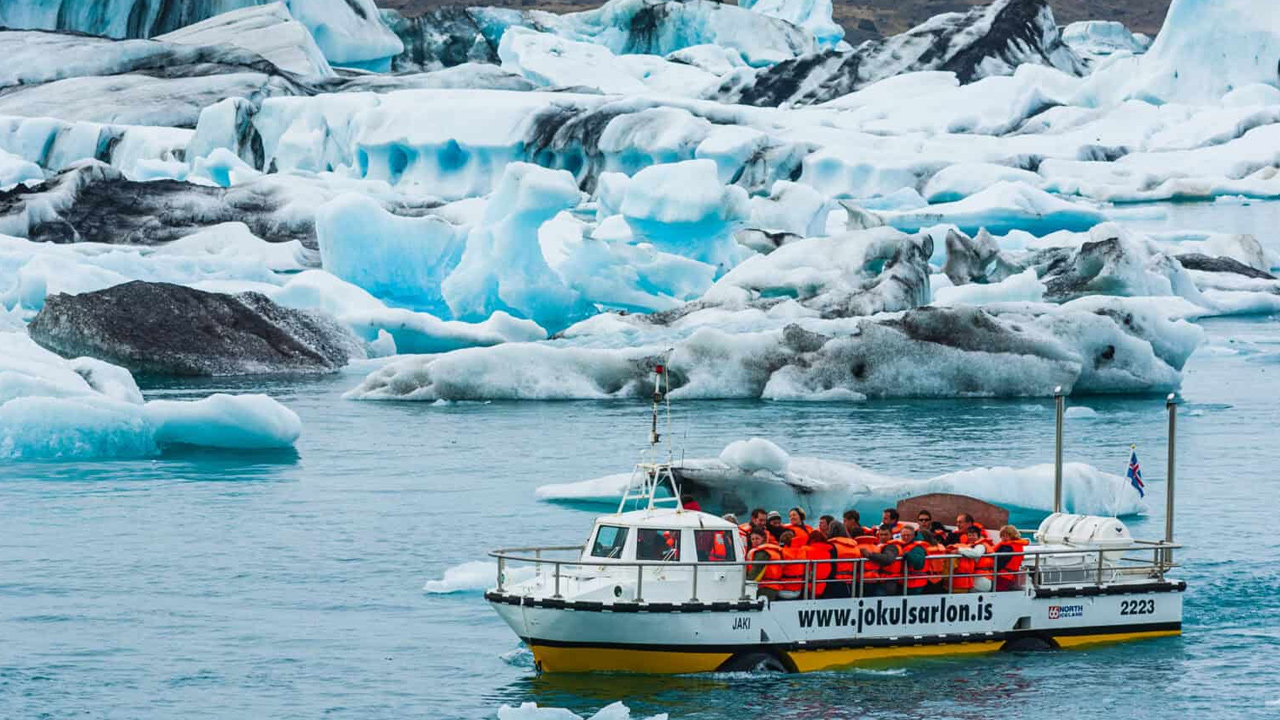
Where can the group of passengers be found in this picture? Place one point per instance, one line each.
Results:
(894, 553)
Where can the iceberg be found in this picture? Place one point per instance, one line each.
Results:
(531, 711)
(349, 32)
(51, 407)
(267, 30)
(812, 15)
(1095, 40)
(1206, 49)
(1001, 208)
(502, 267)
(1092, 345)
(683, 208)
(758, 473)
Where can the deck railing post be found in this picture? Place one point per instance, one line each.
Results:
(557, 595)
(695, 584)
(951, 579)
(743, 595)
(639, 583)
(904, 575)
(1100, 559)
(502, 566)
(860, 569)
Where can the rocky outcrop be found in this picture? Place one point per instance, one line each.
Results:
(164, 329)
(985, 41)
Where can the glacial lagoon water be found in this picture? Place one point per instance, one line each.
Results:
(291, 585)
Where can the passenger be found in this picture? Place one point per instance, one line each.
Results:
(824, 524)
(821, 552)
(767, 577)
(841, 585)
(890, 517)
(1009, 574)
(936, 566)
(958, 536)
(792, 584)
(915, 554)
(924, 526)
(798, 526)
(883, 566)
(853, 524)
(773, 525)
(688, 503)
(757, 522)
(730, 517)
(973, 567)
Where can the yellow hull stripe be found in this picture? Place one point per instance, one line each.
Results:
(652, 662)
(666, 662)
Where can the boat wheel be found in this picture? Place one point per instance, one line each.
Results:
(757, 662)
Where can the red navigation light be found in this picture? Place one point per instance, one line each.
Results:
(659, 369)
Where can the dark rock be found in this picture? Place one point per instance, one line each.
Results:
(1204, 263)
(164, 329)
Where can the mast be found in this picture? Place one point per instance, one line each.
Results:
(1170, 404)
(1059, 400)
(652, 472)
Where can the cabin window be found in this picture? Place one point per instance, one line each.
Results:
(659, 545)
(714, 545)
(609, 542)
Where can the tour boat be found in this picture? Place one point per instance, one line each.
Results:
(647, 594)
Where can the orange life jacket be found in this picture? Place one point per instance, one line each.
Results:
(792, 573)
(986, 563)
(885, 573)
(719, 551)
(821, 570)
(1014, 563)
(962, 578)
(867, 540)
(846, 549)
(936, 567)
(802, 534)
(772, 573)
(744, 530)
(916, 578)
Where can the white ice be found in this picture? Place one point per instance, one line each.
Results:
(812, 15)
(268, 30)
(759, 473)
(51, 407)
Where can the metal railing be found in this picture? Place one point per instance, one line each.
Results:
(1111, 566)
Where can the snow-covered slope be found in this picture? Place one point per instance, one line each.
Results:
(986, 41)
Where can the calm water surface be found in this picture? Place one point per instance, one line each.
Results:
(290, 586)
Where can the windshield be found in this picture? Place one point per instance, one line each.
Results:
(661, 545)
(609, 542)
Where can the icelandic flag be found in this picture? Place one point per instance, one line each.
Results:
(1135, 473)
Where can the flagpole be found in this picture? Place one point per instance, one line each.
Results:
(1058, 399)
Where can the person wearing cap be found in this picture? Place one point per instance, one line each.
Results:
(853, 525)
(773, 525)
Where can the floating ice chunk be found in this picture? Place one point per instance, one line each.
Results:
(1080, 412)
(405, 259)
(1098, 39)
(715, 59)
(474, 576)
(812, 15)
(14, 170)
(959, 181)
(727, 484)
(220, 167)
(503, 267)
(350, 32)
(684, 208)
(85, 408)
(755, 454)
(618, 274)
(1205, 49)
(653, 136)
(1001, 208)
(791, 207)
(268, 30)
(857, 273)
(245, 422)
(1024, 286)
(730, 147)
(419, 332)
(232, 243)
(551, 61)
